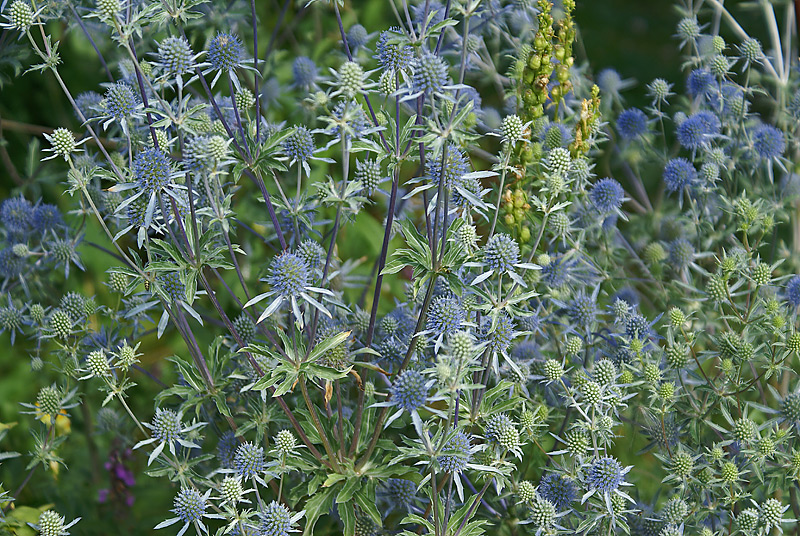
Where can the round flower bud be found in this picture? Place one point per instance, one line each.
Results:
(501, 253)
(744, 429)
(751, 51)
(654, 253)
(288, 275)
(166, 425)
(605, 474)
(409, 391)
(526, 491)
(49, 401)
(62, 142)
(762, 274)
(553, 370)
(675, 511)
(772, 513)
(659, 89)
(512, 128)
(245, 327)
(676, 317)
(108, 8)
(387, 83)
(369, 173)
(574, 345)
(559, 161)
(285, 442)
(717, 288)
(766, 447)
(793, 342)
(605, 372)
(245, 99)
(369, 390)
(120, 101)
(459, 455)
(97, 363)
(51, 524)
(127, 355)
(20, 15)
(577, 442)
(682, 464)
(461, 345)
(231, 490)
(666, 391)
(502, 431)
(351, 79)
(747, 520)
(543, 512)
(652, 374)
(688, 29)
(626, 377)
(729, 472)
(592, 393)
(299, 145)
(677, 356)
(36, 312)
(60, 323)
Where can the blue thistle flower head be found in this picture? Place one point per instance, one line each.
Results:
(17, 215)
(410, 390)
(166, 425)
(249, 460)
(304, 72)
(583, 309)
(700, 82)
(120, 101)
(357, 37)
(636, 327)
(175, 55)
(225, 52)
(792, 292)
(429, 74)
(681, 253)
(698, 129)
(501, 335)
(88, 103)
(446, 315)
(460, 448)
(171, 283)
(400, 492)
(226, 449)
(392, 55)
(275, 520)
(47, 217)
(501, 253)
(679, 173)
(152, 169)
(455, 165)
(558, 489)
(768, 142)
(189, 505)
(605, 474)
(299, 145)
(632, 123)
(607, 195)
(288, 275)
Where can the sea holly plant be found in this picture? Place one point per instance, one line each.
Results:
(446, 282)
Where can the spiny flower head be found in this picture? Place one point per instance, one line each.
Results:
(231, 489)
(607, 195)
(175, 55)
(768, 142)
(189, 505)
(679, 173)
(446, 315)
(120, 101)
(751, 51)
(276, 520)
(369, 173)
(632, 123)
(790, 407)
(17, 214)
(166, 425)
(288, 275)
(304, 72)
(460, 447)
(46, 217)
(109, 8)
(502, 431)
(62, 142)
(392, 55)
(698, 129)
(410, 390)
(152, 169)
(558, 489)
(352, 79)
(449, 169)
(681, 253)
(772, 513)
(285, 442)
(543, 512)
(659, 90)
(400, 492)
(226, 449)
(501, 253)
(52, 524)
(605, 474)
(225, 52)
(675, 511)
(20, 15)
(688, 29)
(512, 128)
(357, 36)
(582, 309)
(501, 334)
(171, 283)
(248, 460)
(429, 74)
(299, 145)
